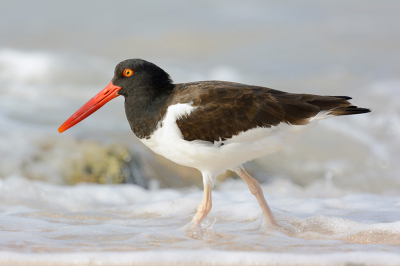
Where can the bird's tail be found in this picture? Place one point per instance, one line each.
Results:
(336, 106)
(350, 110)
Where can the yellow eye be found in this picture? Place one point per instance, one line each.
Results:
(128, 72)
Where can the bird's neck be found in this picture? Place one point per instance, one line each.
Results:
(145, 110)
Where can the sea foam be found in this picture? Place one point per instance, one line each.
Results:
(113, 224)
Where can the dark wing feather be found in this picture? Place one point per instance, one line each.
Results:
(225, 109)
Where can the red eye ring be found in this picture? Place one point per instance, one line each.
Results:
(128, 72)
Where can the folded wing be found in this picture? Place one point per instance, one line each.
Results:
(225, 109)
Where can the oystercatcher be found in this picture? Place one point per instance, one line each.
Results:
(212, 126)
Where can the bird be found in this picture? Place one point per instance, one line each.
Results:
(213, 126)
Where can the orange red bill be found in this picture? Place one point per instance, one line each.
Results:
(107, 94)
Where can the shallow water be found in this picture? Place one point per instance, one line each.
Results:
(335, 192)
(106, 223)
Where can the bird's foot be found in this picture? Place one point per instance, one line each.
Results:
(282, 224)
(201, 230)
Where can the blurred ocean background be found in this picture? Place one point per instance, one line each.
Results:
(337, 187)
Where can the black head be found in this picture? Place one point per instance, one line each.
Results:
(145, 86)
(137, 76)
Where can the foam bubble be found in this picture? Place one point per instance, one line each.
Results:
(114, 223)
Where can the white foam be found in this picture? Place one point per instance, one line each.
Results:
(111, 224)
(199, 257)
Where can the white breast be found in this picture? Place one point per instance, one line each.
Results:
(168, 141)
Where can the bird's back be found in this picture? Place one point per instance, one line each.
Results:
(225, 109)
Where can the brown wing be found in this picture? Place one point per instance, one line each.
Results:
(225, 109)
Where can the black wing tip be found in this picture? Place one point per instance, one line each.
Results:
(351, 110)
(365, 110)
(343, 97)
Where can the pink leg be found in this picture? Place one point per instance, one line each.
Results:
(256, 190)
(205, 205)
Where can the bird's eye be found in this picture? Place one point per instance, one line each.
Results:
(128, 72)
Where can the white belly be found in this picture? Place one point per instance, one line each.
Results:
(168, 141)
